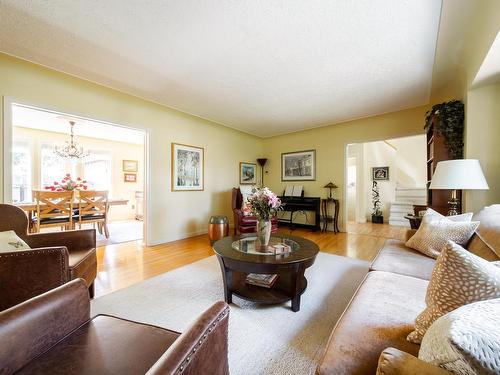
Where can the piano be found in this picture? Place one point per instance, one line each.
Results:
(295, 204)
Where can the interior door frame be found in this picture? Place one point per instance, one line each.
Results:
(7, 143)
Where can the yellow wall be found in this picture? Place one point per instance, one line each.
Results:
(483, 140)
(330, 144)
(483, 28)
(118, 152)
(482, 134)
(173, 215)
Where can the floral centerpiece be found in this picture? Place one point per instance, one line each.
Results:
(264, 204)
(68, 184)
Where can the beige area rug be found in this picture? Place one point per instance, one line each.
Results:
(121, 231)
(262, 339)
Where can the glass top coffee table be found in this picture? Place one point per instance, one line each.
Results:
(242, 255)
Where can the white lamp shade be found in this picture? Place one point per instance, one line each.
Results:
(460, 174)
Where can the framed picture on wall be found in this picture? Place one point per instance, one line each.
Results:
(129, 165)
(248, 173)
(187, 167)
(380, 173)
(130, 177)
(298, 166)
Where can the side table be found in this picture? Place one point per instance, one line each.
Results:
(333, 218)
(414, 221)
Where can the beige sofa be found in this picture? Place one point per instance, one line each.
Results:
(372, 330)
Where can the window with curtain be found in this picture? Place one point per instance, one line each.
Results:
(97, 170)
(21, 172)
(52, 167)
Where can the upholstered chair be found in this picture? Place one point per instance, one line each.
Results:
(53, 333)
(54, 259)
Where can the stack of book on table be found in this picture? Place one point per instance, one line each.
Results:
(264, 280)
(281, 248)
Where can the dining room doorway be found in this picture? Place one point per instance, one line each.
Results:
(52, 151)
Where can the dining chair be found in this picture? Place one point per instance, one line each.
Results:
(93, 208)
(53, 209)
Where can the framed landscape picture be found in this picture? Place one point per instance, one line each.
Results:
(248, 172)
(298, 166)
(380, 173)
(129, 165)
(187, 167)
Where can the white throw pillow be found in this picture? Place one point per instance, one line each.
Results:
(458, 278)
(436, 229)
(466, 340)
(245, 190)
(9, 241)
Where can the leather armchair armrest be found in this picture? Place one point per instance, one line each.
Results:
(395, 362)
(409, 234)
(28, 273)
(33, 327)
(202, 349)
(73, 239)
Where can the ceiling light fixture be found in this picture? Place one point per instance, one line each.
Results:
(72, 149)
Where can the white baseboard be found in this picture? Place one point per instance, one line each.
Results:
(184, 236)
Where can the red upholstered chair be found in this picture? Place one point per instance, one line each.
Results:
(242, 223)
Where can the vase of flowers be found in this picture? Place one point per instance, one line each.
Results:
(264, 204)
(68, 184)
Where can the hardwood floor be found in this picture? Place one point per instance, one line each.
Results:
(122, 265)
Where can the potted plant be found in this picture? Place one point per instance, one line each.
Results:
(448, 120)
(377, 216)
(264, 204)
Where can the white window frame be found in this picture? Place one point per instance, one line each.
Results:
(109, 158)
(29, 143)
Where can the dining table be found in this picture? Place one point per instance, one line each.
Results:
(31, 207)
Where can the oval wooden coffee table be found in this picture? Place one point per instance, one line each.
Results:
(240, 255)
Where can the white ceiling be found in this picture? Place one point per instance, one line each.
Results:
(32, 118)
(264, 66)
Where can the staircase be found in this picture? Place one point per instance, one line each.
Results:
(405, 199)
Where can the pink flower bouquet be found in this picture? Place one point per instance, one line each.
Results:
(264, 204)
(68, 184)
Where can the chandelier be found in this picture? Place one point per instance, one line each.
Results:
(72, 149)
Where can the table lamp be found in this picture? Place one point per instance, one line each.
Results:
(330, 186)
(460, 174)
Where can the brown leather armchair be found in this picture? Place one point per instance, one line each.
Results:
(54, 334)
(242, 223)
(54, 259)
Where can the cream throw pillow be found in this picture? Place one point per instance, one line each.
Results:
(246, 191)
(458, 278)
(434, 215)
(466, 340)
(9, 241)
(436, 229)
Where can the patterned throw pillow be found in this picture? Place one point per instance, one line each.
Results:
(435, 231)
(466, 340)
(458, 278)
(9, 241)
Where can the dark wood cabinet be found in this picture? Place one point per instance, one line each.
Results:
(436, 152)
